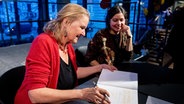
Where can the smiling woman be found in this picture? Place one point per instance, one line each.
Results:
(51, 67)
(113, 44)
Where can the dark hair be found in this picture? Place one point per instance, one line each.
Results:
(113, 11)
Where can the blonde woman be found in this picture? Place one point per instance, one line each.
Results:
(51, 70)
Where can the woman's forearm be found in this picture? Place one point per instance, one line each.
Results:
(83, 72)
(129, 46)
(48, 95)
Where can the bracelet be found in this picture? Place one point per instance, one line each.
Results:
(128, 37)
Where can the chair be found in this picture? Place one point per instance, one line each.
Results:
(10, 81)
(80, 56)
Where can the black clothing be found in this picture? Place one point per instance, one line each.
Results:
(67, 76)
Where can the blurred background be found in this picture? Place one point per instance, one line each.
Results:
(150, 21)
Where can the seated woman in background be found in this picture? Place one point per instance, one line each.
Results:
(113, 44)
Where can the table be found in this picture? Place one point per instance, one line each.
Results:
(153, 81)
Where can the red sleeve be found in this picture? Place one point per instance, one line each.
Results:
(39, 62)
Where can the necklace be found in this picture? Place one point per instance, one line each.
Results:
(63, 49)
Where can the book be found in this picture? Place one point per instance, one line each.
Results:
(154, 100)
(121, 85)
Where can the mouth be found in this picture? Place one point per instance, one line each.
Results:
(78, 36)
(118, 27)
(76, 39)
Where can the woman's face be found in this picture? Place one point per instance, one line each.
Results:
(77, 29)
(117, 22)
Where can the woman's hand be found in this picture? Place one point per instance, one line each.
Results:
(96, 95)
(127, 30)
(109, 67)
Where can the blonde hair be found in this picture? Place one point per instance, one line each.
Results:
(70, 11)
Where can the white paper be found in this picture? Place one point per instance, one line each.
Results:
(121, 85)
(154, 100)
(119, 79)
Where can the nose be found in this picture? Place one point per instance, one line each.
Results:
(83, 32)
(119, 23)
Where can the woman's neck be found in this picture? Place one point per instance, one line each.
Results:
(63, 48)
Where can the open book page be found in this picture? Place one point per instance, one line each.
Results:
(153, 100)
(121, 85)
(120, 95)
(119, 79)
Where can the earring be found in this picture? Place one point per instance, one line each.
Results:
(65, 33)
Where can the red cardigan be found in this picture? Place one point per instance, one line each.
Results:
(42, 66)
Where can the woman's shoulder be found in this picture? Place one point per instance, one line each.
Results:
(45, 37)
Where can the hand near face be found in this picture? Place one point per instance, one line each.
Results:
(124, 28)
(95, 95)
(127, 30)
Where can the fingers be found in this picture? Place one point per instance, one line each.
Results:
(98, 101)
(109, 67)
(104, 100)
(103, 92)
(101, 96)
(96, 95)
(125, 27)
(113, 67)
(127, 30)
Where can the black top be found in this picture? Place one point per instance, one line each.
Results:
(67, 76)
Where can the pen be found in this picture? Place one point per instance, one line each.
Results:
(106, 97)
(94, 83)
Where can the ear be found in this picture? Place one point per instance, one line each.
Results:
(64, 23)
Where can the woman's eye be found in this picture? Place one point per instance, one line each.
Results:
(114, 20)
(82, 27)
(121, 20)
